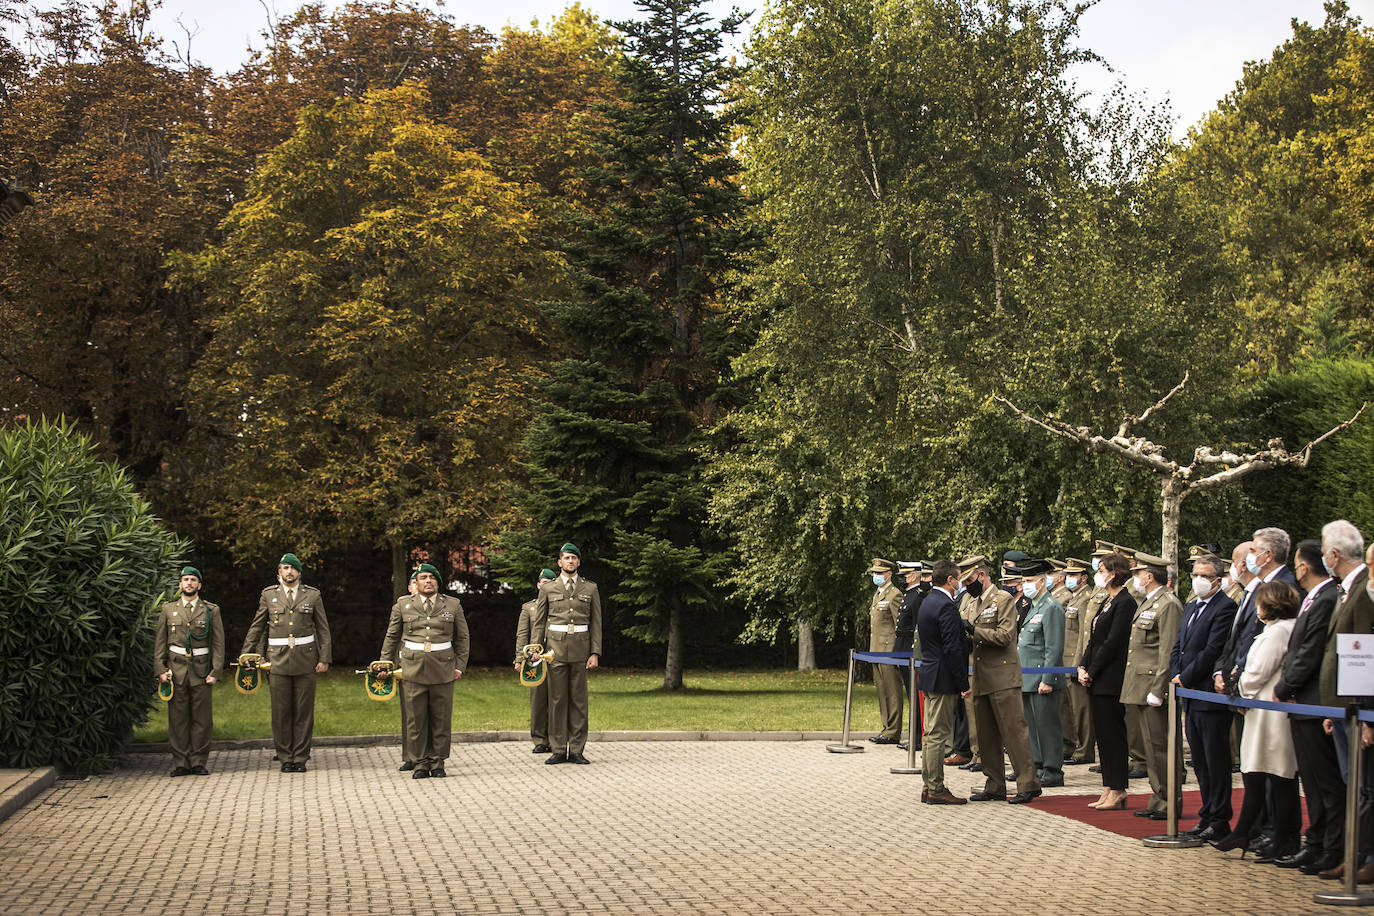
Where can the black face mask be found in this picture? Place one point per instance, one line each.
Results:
(925, 587)
(975, 588)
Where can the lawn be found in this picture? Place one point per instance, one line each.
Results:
(492, 700)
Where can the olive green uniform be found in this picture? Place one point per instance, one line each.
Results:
(567, 621)
(295, 635)
(404, 707)
(1154, 630)
(1079, 609)
(996, 687)
(539, 696)
(190, 644)
(882, 637)
(428, 639)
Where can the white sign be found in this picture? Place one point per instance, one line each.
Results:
(1355, 674)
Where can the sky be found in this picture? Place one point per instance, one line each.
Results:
(1188, 52)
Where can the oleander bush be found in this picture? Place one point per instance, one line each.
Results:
(83, 565)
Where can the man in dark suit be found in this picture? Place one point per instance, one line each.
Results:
(1201, 637)
(944, 677)
(1265, 561)
(1299, 682)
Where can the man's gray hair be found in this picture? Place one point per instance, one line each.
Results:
(1275, 540)
(1344, 538)
(1212, 562)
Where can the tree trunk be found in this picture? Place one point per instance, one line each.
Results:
(1172, 492)
(806, 646)
(400, 577)
(672, 671)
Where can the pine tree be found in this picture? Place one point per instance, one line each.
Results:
(613, 461)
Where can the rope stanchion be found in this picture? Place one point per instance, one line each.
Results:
(844, 747)
(1349, 895)
(1172, 840)
(911, 769)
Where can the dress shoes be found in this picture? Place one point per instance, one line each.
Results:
(956, 760)
(288, 768)
(298, 768)
(1138, 773)
(420, 773)
(1299, 859)
(925, 796)
(1211, 832)
(437, 773)
(199, 771)
(406, 766)
(556, 759)
(902, 745)
(578, 758)
(1051, 782)
(1320, 864)
(1095, 768)
(1075, 762)
(1022, 798)
(181, 771)
(542, 749)
(943, 797)
(1152, 815)
(1365, 875)
(881, 739)
(988, 796)
(1274, 853)
(972, 766)
(1335, 873)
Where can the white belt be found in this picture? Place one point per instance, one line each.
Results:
(180, 650)
(568, 627)
(292, 641)
(428, 646)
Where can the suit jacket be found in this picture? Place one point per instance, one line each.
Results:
(1353, 613)
(1105, 655)
(1041, 643)
(1300, 679)
(280, 618)
(882, 618)
(1250, 625)
(1154, 630)
(944, 647)
(1201, 637)
(174, 626)
(996, 665)
(444, 623)
(560, 608)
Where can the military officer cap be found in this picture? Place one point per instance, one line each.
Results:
(880, 565)
(1106, 548)
(191, 571)
(1013, 557)
(547, 573)
(1032, 566)
(970, 565)
(413, 574)
(1055, 564)
(571, 548)
(1148, 561)
(290, 559)
(1012, 574)
(1198, 550)
(909, 567)
(1072, 565)
(1210, 559)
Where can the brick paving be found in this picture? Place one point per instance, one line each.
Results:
(649, 827)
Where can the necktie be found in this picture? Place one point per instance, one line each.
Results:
(428, 606)
(1306, 603)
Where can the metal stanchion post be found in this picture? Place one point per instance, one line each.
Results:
(913, 701)
(844, 747)
(1348, 895)
(1172, 840)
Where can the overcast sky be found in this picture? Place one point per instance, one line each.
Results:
(1189, 52)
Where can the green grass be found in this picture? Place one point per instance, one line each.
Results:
(492, 700)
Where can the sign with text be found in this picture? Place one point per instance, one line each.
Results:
(1355, 676)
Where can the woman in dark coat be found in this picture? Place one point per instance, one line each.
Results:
(1101, 670)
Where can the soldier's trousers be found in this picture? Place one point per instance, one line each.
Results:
(888, 680)
(1000, 721)
(1135, 741)
(1068, 726)
(1047, 739)
(1085, 743)
(405, 725)
(431, 722)
(1153, 722)
(539, 712)
(293, 715)
(190, 724)
(939, 733)
(972, 720)
(567, 707)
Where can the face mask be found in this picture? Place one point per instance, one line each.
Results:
(1100, 580)
(1329, 570)
(877, 580)
(1225, 582)
(1049, 583)
(1235, 573)
(1252, 564)
(1202, 586)
(1030, 589)
(1096, 562)
(1071, 583)
(975, 588)
(925, 587)
(959, 593)
(1140, 584)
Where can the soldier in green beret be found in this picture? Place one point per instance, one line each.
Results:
(539, 696)
(567, 621)
(188, 650)
(407, 761)
(291, 622)
(428, 637)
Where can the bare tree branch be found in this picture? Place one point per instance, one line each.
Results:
(1139, 451)
(1129, 419)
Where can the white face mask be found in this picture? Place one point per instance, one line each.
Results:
(1235, 573)
(1225, 582)
(1029, 588)
(1140, 584)
(1100, 579)
(1202, 586)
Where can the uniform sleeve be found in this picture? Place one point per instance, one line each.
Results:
(539, 619)
(461, 642)
(594, 630)
(216, 641)
(160, 663)
(1052, 626)
(255, 642)
(322, 639)
(522, 629)
(1168, 636)
(392, 641)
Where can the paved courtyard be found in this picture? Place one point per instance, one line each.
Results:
(649, 827)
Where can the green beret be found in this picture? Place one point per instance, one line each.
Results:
(413, 574)
(547, 574)
(290, 559)
(571, 548)
(190, 571)
(427, 568)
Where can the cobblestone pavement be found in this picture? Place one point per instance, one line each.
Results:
(649, 827)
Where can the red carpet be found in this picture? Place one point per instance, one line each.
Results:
(1125, 823)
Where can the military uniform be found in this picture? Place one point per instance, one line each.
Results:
(1079, 610)
(996, 686)
(1154, 630)
(567, 621)
(295, 633)
(407, 761)
(190, 644)
(882, 637)
(428, 638)
(1041, 645)
(539, 696)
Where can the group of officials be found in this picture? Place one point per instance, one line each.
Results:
(426, 641)
(1263, 625)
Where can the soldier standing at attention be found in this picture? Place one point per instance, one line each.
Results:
(567, 620)
(1078, 611)
(1145, 688)
(882, 637)
(189, 650)
(428, 637)
(291, 621)
(539, 696)
(407, 761)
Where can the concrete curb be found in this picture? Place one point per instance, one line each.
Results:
(251, 744)
(19, 787)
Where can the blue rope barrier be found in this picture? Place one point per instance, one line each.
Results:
(1297, 709)
(903, 658)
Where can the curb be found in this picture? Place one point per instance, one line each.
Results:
(24, 789)
(253, 744)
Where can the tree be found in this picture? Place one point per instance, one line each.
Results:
(369, 374)
(83, 567)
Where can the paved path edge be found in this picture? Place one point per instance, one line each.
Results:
(19, 793)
